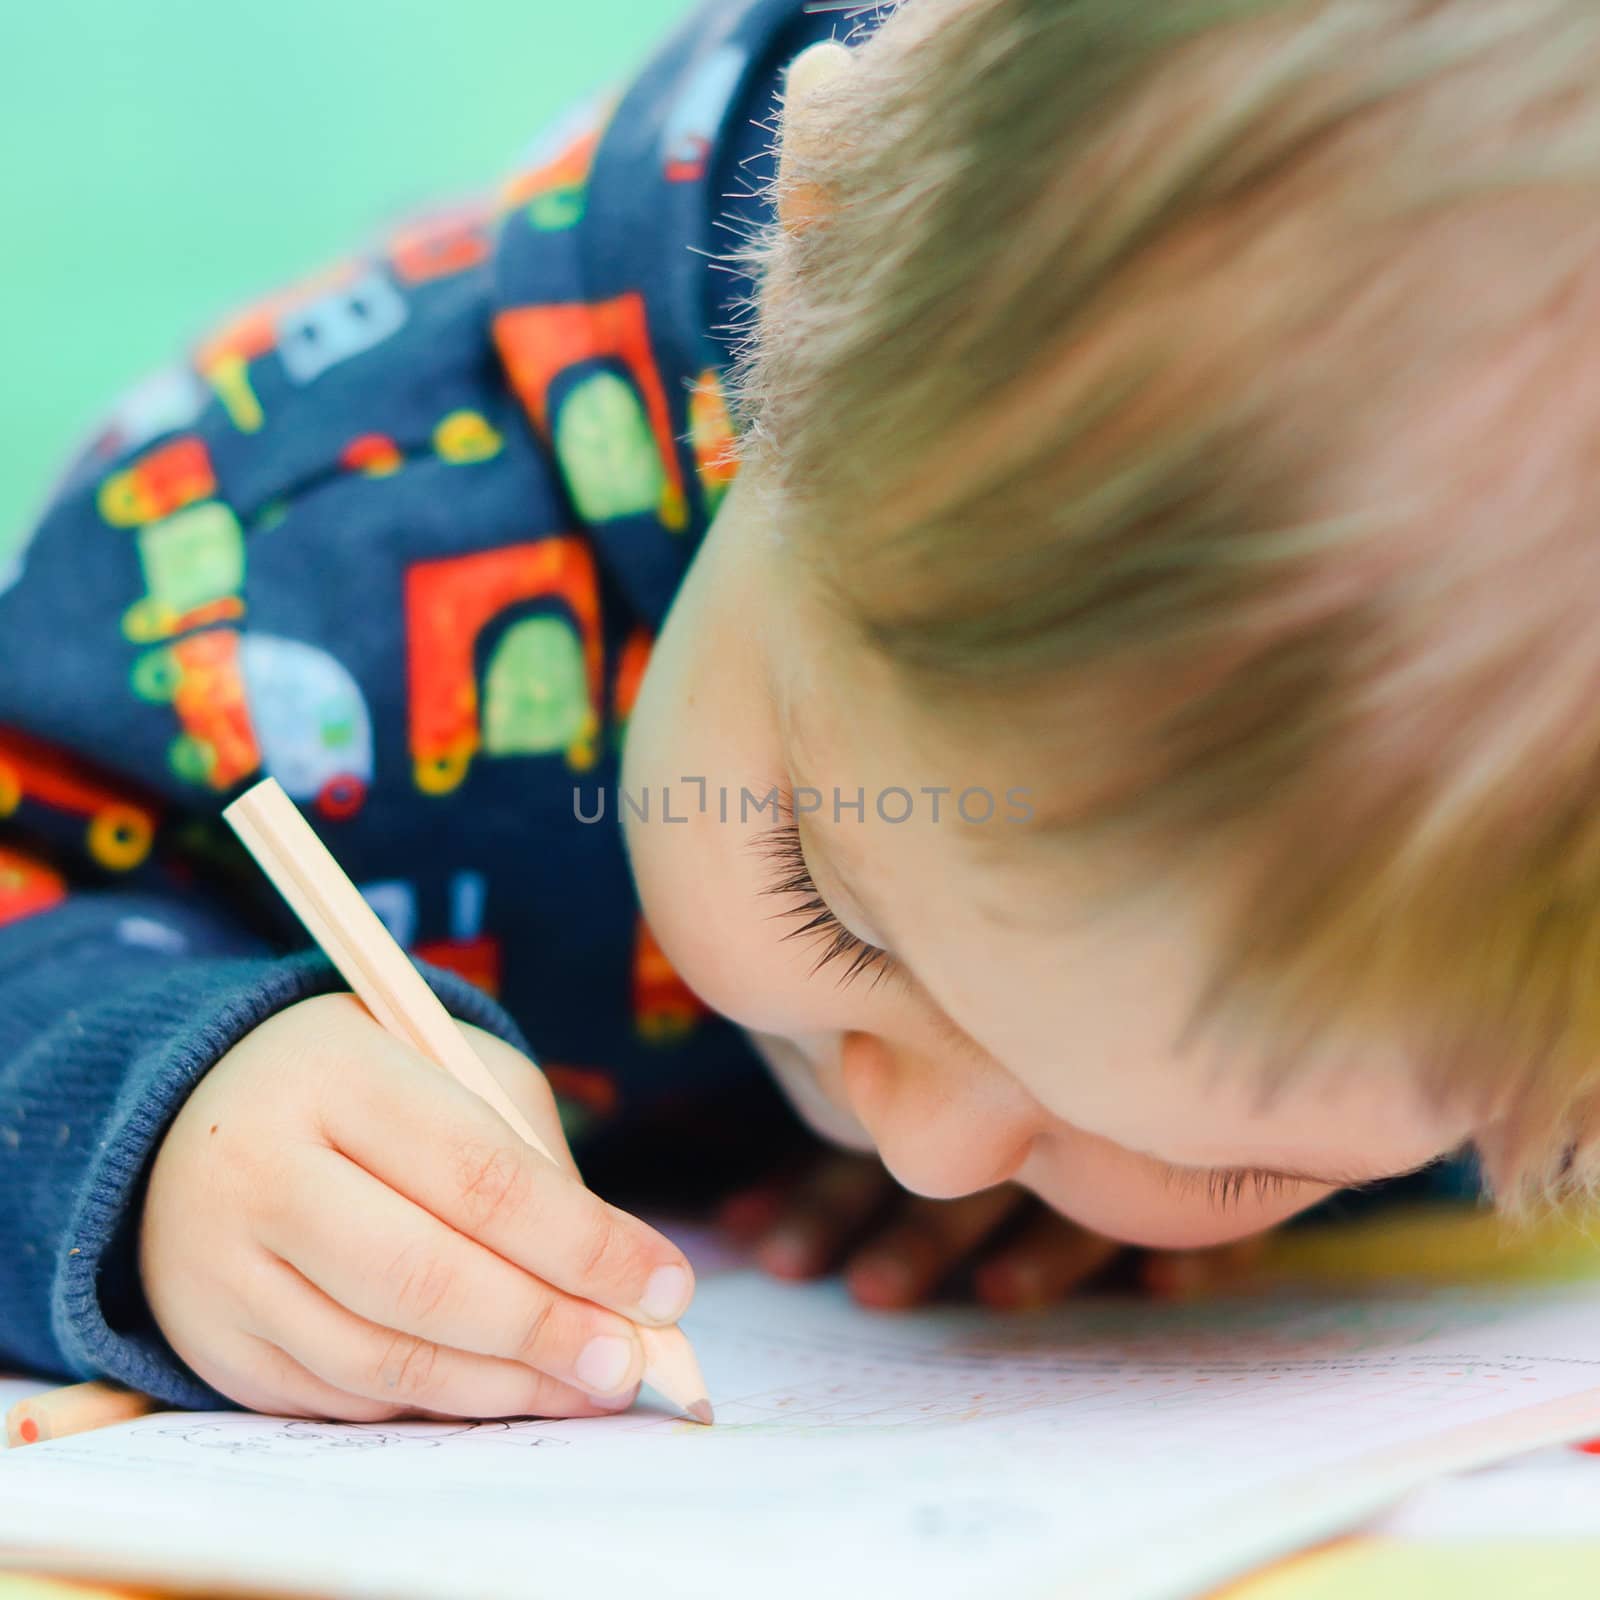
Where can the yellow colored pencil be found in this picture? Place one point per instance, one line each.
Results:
(354, 939)
(59, 1412)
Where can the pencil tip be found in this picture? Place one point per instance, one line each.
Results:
(700, 1411)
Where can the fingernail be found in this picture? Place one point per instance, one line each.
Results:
(788, 1252)
(603, 1364)
(666, 1294)
(1159, 1278)
(1024, 1286)
(881, 1278)
(992, 1284)
(746, 1215)
(1176, 1278)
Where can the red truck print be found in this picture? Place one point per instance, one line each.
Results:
(665, 1008)
(541, 689)
(121, 829)
(631, 664)
(614, 440)
(201, 679)
(468, 950)
(585, 1096)
(712, 438)
(552, 177)
(442, 245)
(553, 192)
(27, 887)
(167, 479)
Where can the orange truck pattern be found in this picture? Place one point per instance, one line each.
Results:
(466, 949)
(615, 441)
(119, 830)
(27, 886)
(448, 604)
(665, 1008)
(200, 678)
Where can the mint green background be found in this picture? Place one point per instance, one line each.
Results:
(163, 161)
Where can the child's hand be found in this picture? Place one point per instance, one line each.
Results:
(898, 1248)
(336, 1228)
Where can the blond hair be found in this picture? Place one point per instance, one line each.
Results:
(1218, 374)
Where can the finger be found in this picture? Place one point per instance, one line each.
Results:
(824, 1209)
(420, 1132)
(906, 1261)
(357, 1357)
(261, 1377)
(1047, 1259)
(750, 1213)
(1185, 1274)
(264, 1378)
(392, 1263)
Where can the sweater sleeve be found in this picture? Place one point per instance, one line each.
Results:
(137, 943)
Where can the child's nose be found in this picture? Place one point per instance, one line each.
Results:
(941, 1130)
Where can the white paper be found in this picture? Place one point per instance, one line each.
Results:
(1114, 1449)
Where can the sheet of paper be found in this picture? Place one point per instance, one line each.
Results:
(1113, 1448)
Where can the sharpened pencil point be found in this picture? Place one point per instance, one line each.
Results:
(700, 1411)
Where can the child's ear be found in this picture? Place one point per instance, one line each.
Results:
(801, 204)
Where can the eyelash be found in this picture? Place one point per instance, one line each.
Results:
(791, 879)
(1224, 1187)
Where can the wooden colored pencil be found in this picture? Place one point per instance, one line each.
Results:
(59, 1412)
(394, 991)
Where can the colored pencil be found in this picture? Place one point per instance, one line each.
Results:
(59, 1412)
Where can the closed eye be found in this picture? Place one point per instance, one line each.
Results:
(789, 878)
(1224, 1187)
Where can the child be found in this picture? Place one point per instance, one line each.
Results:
(1122, 734)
